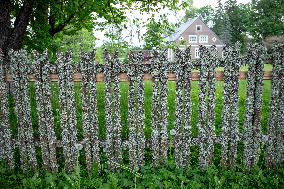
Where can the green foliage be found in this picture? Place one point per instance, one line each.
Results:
(163, 177)
(206, 13)
(266, 18)
(260, 19)
(156, 32)
(82, 40)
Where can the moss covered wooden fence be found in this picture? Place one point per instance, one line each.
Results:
(24, 67)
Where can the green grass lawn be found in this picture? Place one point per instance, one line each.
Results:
(164, 177)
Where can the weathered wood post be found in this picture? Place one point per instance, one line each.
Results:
(6, 146)
(275, 143)
(230, 116)
(90, 113)
(19, 66)
(44, 111)
(252, 125)
(67, 115)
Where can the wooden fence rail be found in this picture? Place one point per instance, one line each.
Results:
(160, 71)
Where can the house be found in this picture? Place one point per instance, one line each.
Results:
(194, 33)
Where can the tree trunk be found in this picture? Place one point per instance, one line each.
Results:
(12, 38)
(20, 26)
(5, 26)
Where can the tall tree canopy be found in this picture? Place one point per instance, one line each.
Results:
(206, 13)
(267, 18)
(35, 23)
(156, 32)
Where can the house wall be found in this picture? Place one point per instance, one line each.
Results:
(205, 30)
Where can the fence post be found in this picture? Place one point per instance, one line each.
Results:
(136, 113)
(116, 110)
(108, 109)
(163, 105)
(207, 127)
(155, 72)
(212, 64)
(67, 102)
(19, 66)
(89, 102)
(187, 137)
(252, 123)
(275, 145)
(202, 106)
(178, 140)
(44, 111)
(6, 151)
(131, 111)
(230, 128)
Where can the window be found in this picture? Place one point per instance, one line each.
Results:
(196, 53)
(203, 39)
(198, 28)
(192, 38)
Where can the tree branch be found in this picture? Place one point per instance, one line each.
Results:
(53, 30)
(20, 25)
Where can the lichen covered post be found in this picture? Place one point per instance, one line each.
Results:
(187, 135)
(6, 151)
(275, 144)
(89, 102)
(19, 65)
(44, 111)
(252, 125)
(67, 115)
(178, 139)
(230, 126)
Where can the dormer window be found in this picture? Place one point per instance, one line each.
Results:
(198, 28)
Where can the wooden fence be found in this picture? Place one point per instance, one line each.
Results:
(159, 68)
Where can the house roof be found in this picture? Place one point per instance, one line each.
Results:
(180, 30)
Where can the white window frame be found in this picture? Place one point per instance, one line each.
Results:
(196, 52)
(192, 36)
(170, 55)
(198, 26)
(200, 37)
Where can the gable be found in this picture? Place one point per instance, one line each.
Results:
(189, 28)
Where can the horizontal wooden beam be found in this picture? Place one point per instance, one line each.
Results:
(123, 76)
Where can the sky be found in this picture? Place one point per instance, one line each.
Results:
(132, 29)
(213, 3)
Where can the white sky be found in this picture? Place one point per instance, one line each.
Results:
(143, 17)
(213, 3)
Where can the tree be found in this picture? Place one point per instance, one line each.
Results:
(266, 18)
(218, 19)
(82, 40)
(206, 13)
(156, 32)
(237, 22)
(35, 23)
